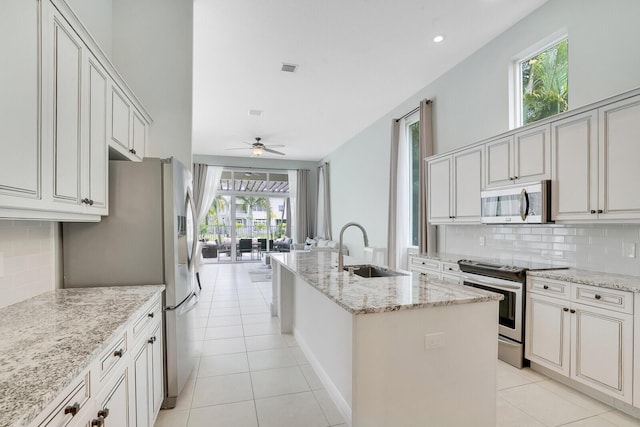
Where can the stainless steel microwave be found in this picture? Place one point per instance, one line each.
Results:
(517, 204)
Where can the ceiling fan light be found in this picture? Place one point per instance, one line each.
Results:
(258, 151)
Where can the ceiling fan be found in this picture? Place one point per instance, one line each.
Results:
(258, 148)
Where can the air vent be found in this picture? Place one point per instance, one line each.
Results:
(256, 113)
(288, 68)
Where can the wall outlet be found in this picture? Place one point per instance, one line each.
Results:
(628, 250)
(482, 241)
(433, 341)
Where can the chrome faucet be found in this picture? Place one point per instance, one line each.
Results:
(340, 253)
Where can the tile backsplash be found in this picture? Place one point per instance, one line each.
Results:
(27, 259)
(611, 248)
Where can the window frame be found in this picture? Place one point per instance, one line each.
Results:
(408, 122)
(515, 73)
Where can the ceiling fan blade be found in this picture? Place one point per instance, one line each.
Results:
(268, 150)
(277, 145)
(239, 148)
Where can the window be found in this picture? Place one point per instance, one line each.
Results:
(542, 88)
(413, 141)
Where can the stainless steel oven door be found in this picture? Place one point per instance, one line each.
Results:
(510, 308)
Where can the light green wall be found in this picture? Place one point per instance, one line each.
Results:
(471, 101)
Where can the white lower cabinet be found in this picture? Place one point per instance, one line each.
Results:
(443, 270)
(585, 334)
(124, 385)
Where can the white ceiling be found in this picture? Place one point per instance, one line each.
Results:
(357, 60)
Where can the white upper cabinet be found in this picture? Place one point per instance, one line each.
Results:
(595, 164)
(20, 181)
(522, 157)
(455, 182)
(56, 107)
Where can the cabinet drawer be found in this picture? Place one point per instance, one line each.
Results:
(111, 357)
(610, 299)
(153, 313)
(450, 267)
(70, 406)
(423, 263)
(548, 287)
(452, 278)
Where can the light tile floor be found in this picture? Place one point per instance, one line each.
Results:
(250, 375)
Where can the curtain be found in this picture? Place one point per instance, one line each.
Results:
(426, 231)
(205, 180)
(393, 194)
(323, 221)
(293, 205)
(400, 193)
(302, 229)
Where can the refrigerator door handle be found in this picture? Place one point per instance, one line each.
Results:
(192, 302)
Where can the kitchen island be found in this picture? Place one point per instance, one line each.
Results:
(392, 351)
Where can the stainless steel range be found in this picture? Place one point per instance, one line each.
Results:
(510, 281)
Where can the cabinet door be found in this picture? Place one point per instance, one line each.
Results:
(619, 154)
(19, 134)
(467, 167)
(500, 162)
(602, 350)
(574, 144)
(547, 335)
(139, 135)
(141, 385)
(116, 402)
(67, 89)
(95, 155)
(532, 155)
(156, 371)
(119, 116)
(439, 175)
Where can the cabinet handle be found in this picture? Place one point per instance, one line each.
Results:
(118, 353)
(103, 413)
(152, 340)
(565, 309)
(593, 211)
(150, 315)
(572, 311)
(97, 422)
(72, 409)
(598, 296)
(86, 201)
(132, 151)
(545, 287)
(600, 211)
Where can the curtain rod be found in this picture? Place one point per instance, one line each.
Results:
(412, 111)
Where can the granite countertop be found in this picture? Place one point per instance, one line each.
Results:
(593, 278)
(442, 256)
(48, 340)
(358, 295)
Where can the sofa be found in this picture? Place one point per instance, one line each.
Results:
(320, 244)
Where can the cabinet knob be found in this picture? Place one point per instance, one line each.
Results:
(152, 340)
(565, 309)
(572, 311)
(600, 211)
(510, 178)
(545, 287)
(72, 409)
(86, 201)
(118, 353)
(97, 422)
(150, 315)
(103, 413)
(593, 211)
(515, 177)
(132, 151)
(598, 296)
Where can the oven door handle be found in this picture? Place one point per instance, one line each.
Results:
(491, 284)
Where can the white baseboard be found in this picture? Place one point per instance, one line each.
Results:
(336, 396)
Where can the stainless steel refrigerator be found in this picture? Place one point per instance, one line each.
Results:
(148, 238)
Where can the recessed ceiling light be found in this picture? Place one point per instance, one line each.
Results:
(256, 113)
(438, 39)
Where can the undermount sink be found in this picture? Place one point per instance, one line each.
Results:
(368, 270)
